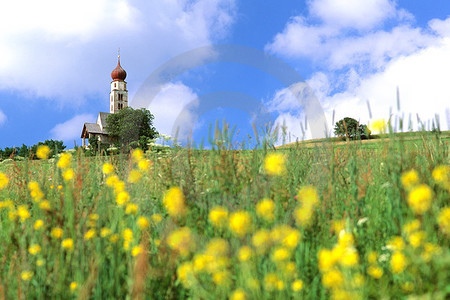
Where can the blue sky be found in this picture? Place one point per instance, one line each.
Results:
(56, 58)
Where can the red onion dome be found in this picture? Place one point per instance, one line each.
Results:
(118, 74)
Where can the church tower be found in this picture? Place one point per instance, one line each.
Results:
(118, 97)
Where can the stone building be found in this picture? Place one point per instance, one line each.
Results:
(118, 99)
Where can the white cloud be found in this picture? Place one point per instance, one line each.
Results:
(2, 118)
(353, 13)
(356, 66)
(65, 50)
(71, 129)
(172, 107)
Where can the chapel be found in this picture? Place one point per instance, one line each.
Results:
(118, 99)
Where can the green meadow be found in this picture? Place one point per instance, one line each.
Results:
(326, 220)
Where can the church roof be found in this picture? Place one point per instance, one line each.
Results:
(102, 118)
(90, 128)
(118, 74)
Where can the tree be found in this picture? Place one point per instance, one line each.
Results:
(56, 147)
(350, 129)
(130, 125)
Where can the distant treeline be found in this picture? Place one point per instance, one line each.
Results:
(30, 151)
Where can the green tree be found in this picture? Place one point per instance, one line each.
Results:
(130, 125)
(350, 129)
(56, 147)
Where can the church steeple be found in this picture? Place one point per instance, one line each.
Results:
(119, 93)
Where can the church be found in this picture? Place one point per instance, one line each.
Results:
(118, 99)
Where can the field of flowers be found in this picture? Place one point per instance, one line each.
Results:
(340, 222)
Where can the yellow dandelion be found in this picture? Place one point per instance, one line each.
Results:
(372, 257)
(396, 243)
(90, 234)
(107, 168)
(34, 249)
(156, 218)
(112, 180)
(73, 286)
(114, 238)
(416, 239)
(4, 180)
(420, 198)
(127, 234)
(68, 174)
(270, 281)
(38, 224)
(104, 232)
(67, 244)
(26, 275)
(444, 220)
(332, 279)
(64, 160)
(134, 176)
(441, 174)
(122, 198)
(326, 260)
(181, 240)
(136, 250)
(137, 155)
(398, 262)
(265, 209)
(308, 196)
(261, 240)
(375, 271)
(43, 152)
(409, 179)
(350, 258)
(274, 164)
(245, 253)
(40, 262)
(143, 222)
(217, 247)
(240, 223)
(131, 209)
(222, 278)
(185, 273)
(45, 205)
(56, 233)
(218, 216)
(280, 255)
(297, 285)
(411, 227)
(378, 126)
(23, 213)
(144, 164)
(174, 202)
(238, 294)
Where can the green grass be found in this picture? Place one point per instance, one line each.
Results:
(355, 181)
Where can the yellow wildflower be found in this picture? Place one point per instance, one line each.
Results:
(375, 271)
(34, 249)
(122, 198)
(441, 174)
(174, 202)
(346, 239)
(23, 213)
(104, 232)
(107, 168)
(416, 239)
(185, 273)
(134, 176)
(143, 223)
(114, 238)
(131, 209)
(332, 279)
(280, 254)
(265, 209)
(44, 205)
(89, 234)
(144, 164)
(38, 224)
(67, 244)
(156, 218)
(222, 278)
(56, 233)
(112, 180)
(73, 286)
(245, 253)
(93, 217)
(43, 152)
(137, 155)
(326, 260)
(261, 240)
(372, 257)
(240, 223)
(338, 226)
(218, 216)
(409, 179)
(64, 160)
(26, 275)
(3, 180)
(350, 258)
(136, 250)
(297, 285)
(444, 220)
(217, 247)
(378, 126)
(68, 174)
(40, 262)
(274, 163)
(303, 215)
(419, 198)
(396, 243)
(200, 262)
(127, 234)
(411, 227)
(181, 240)
(238, 294)
(270, 281)
(60, 187)
(308, 196)
(398, 262)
